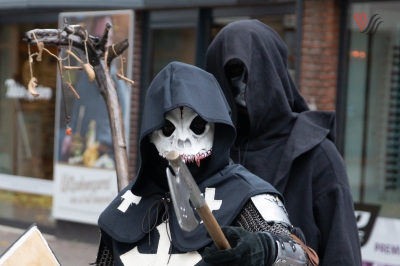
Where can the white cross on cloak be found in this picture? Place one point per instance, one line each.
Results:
(128, 199)
(134, 258)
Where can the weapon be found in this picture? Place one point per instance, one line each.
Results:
(183, 187)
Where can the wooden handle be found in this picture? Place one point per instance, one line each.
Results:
(213, 227)
(174, 158)
(72, 68)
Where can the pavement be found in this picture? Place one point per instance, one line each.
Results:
(68, 253)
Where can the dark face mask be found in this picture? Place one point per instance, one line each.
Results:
(236, 72)
(237, 75)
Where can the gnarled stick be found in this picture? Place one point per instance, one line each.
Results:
(119, 48)
(96, 50)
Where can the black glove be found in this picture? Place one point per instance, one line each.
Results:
(248, 249)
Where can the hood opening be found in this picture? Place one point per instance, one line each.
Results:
(272, 98)
(175, 86)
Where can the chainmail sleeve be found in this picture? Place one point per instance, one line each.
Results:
(104, 256)
(251, 220)
(290, 250)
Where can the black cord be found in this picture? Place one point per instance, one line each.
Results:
(164, 217)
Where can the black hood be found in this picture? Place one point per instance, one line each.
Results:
(272, 97)
(177, 85)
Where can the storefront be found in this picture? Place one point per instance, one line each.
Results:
(184, 35)
(29, 126)
(26, 129)
(372, 126)
(365, 87)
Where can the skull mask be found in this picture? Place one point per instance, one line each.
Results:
(185, 131)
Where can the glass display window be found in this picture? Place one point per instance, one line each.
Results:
(372, 136)
(26, 126)
(173, 44)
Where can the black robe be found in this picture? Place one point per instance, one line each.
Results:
(286, 144)
(124, 224)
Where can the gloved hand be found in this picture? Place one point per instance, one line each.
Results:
(248, 249)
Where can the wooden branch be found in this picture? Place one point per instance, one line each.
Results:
(109, 93)
(96, 46)
(104, 39)
(79, 31)
(50, 37)
(119, 48)
(96, 51)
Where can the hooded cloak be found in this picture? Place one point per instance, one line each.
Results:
(124, 230)
(286, 144)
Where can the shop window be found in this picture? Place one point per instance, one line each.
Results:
(26, 123)
(173, 38)
(372, 136)
(26, 127)
(172, 45)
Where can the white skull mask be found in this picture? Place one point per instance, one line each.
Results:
(185, 131)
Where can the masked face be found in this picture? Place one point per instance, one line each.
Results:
(185, 131)
(237, 75)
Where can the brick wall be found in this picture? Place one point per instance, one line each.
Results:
(135, 97)
(319, 58)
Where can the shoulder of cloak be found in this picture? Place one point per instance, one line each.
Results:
(123, 218)
(233, 186)
(309, 130)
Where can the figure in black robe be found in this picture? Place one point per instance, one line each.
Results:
(140, 227)
(283, 142)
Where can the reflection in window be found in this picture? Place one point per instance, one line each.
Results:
(26, 124)
(373, 110)
(26, 127)
(172, 45)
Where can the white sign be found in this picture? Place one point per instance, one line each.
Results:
(81, 193)
(17, 91)
(383, 246)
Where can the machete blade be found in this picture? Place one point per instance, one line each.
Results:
(180, 194)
